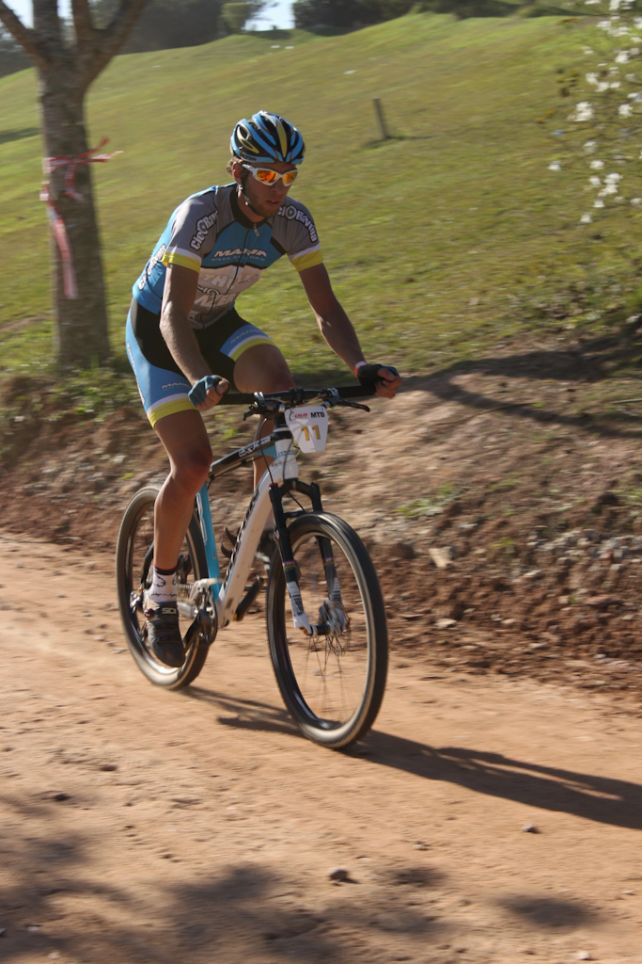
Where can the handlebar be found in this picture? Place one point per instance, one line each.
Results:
(296, 396)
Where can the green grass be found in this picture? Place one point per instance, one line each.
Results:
(440, 241)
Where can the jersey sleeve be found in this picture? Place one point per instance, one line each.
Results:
(300, 239)
(192, 233)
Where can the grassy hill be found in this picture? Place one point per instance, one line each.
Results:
(442, 240)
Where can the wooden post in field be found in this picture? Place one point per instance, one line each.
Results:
(381, 120)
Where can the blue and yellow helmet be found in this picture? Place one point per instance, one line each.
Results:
(267, 139)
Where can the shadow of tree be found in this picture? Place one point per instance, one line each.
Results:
(241, 913)
(36, 865)
(18, 134)
(549, 913)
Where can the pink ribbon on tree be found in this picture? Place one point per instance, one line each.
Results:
(69, 164)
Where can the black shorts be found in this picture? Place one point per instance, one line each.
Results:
(163, 387)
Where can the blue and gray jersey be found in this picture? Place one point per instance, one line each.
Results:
(209, 234)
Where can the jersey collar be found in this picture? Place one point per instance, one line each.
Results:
(239, 214)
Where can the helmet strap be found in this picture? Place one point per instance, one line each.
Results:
(245, 196)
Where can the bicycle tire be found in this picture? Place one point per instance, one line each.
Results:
(356, 657)
(133, 554)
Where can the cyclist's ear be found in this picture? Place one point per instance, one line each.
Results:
(235, 167)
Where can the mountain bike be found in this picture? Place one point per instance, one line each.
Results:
(326, 623)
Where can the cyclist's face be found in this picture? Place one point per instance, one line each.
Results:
(265, 198)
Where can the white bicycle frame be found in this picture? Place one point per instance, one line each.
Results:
(226, 594)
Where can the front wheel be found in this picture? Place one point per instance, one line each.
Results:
(332, 681)
(134, 553)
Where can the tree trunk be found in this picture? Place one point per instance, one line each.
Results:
(66, 68)
(82, 337)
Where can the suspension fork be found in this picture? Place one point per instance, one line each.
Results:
(290, 568)
(313, 492)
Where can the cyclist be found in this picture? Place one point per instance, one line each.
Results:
(183, 330)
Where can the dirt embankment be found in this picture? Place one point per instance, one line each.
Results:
(502, 500)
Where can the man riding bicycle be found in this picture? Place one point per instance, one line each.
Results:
(184, 333)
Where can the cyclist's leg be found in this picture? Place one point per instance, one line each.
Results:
(262, 368)
(181, 430)
(185, 441)
(258, 365)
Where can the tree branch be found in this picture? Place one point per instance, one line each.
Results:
(83, 26)
(25, 36)
(110, 39)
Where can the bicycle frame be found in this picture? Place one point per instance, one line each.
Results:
(226, 594)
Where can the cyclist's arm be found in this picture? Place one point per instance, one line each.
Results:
(333, 322)
(178, 298)
(336, 327)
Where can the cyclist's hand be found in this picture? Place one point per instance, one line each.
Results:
(207, 391)
(383, 378)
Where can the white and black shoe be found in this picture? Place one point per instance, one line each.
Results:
(163, 632)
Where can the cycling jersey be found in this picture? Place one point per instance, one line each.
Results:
(208, 233)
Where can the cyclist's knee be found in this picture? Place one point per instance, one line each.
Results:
(190, 470)
(262, 368)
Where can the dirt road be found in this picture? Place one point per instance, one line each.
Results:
(485, 819)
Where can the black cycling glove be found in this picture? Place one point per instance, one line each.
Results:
(199, 389)
(368, 374)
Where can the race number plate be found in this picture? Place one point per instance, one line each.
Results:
(309, 427)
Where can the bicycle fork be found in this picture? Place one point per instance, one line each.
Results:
(332, 616)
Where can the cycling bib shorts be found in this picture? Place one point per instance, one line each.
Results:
(162, 386)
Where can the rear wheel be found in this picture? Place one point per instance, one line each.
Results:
(333, 681)
(133, 575)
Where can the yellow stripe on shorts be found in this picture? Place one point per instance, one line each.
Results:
(249, 343)
(162, 409)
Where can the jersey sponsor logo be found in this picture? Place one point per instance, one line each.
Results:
(237, 252)
(202, 227)
(293, 213)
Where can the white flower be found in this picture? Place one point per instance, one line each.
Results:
(622, 57)
(597, 165)
(613, 178)
(595, 182)
(586, 219)
(614, 6)
(555, 166)
(625, 110)
(598, 203)
(636, 202)
(583, 112)
(590, 146)
(592, 79)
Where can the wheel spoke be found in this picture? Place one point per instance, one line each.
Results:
(332, 681)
